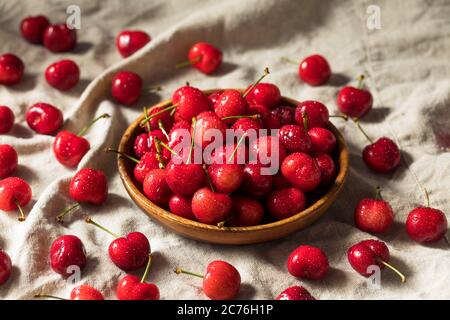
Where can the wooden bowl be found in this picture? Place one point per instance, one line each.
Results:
(231, 235)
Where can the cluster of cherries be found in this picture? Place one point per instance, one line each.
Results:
(225, 192)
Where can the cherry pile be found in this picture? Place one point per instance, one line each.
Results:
(229, 189)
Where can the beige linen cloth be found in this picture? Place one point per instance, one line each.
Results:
(408, 69)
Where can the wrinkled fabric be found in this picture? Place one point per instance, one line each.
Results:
(407, 67)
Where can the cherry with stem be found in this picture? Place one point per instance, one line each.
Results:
(148, 118)
(266, 72)
(90, 221)
(188, 63)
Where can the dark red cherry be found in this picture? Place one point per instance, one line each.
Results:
(6, 119)
(59, 38)
(314, 70)
(126, 87)
(284, 203)
(32, 28)
(11, 69)
(295, 138)
(316, 112)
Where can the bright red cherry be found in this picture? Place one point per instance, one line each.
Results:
(161, 119)
(89, 186)
(327, 168)
(314, 70)
(15, 193)
(267, 149)
(190, 102)
(284, 203)
(181, 206)
(284, 114)
(366, 254)
(295, 138)
(316, 113)
(266, 94)
(225, 178)
(382, 156)
(146, 142)
(67, 251)
(247, 124)
(221, 281)
(322, 140)
(63, 75)
(185, 179)
(355, 102)
(426, 225)
(8, 160)
(374, 215)
(130, 41)
(254, 183)
(246, 212)
(231, 103)
(85, 292)
(214, 97)
(308, 262)
(204, 57)
(301, 171)
(6, 119)
(148, 162)
(204, 125)
(295, 293)
(44, 118)
(156, 188)
(126, 87)
(5, 267)
(128, 253)
(32, 28)
(211, 207)
(70, 148)
(11, 69)
(59, 38)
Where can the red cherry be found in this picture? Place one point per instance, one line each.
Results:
(327, 168)
(316, 112)
(128, 253)
(314, 70)
(382, 156)
(284, 114)
(67, 251)
(221, 281)
(266, 94)
(159, 120)
(225, 178)
(15, 193)
(301, 171)
(8, 160)
(190, 102)
(368, 253)
(204, 57)
(269, 120)
(32, 28)
(426, 225)
(130, 41)
(254, 183)
(11, 69)
(214, 97)
(374, 215)
(247, 124)
(322, 140)
(6, 119)
(70, 148)
(185, 179)
(295, 138)
(156, 188)
(181, 206)
(44, 118)
(130, 287)
(230, 103)
(354, 102)
(149, 161)
(85, 292)
(308, 262)
(59, 38)
(295, 293)
(5, 267)
(246, 212)
(89, 186)
(211, 207)
(146, 142)
(63, 75)
(285, 203)
(267, 149)
(204, 125)
(126, 87)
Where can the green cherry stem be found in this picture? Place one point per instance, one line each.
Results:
(341, 116)
(148, 125)
(90, 221)
(266, 72)
(356, 121)
(361, 81)
(161, 127)
(378, 193)
(188, 63)
(253, 116)
(208, 178)
(40, 296)
(179, 271)
(22, 214)
(401, 275)
(122, 154)
(85, 129)
(60, 217)
(241, 139)
(305, 121)
(194, 125)
(147, 268)
(165, 146)
(148, 118)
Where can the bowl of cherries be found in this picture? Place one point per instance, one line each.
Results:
(233, 166)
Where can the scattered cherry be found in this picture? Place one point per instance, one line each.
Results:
(308, 262)
(8, 160)
(44, 118)
(284, 203)
(59, 38)
(126, 87)
(314, 70)
(221, 281)
(63, 75)
(130, 41)
(32, 28)
(15, 193)
(295, 293)
(204, 57)
(11, 69)
(6, 119)
(5, 267)
(355, 102)
(67, 251)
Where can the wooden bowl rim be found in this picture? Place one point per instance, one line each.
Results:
(130, 185)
